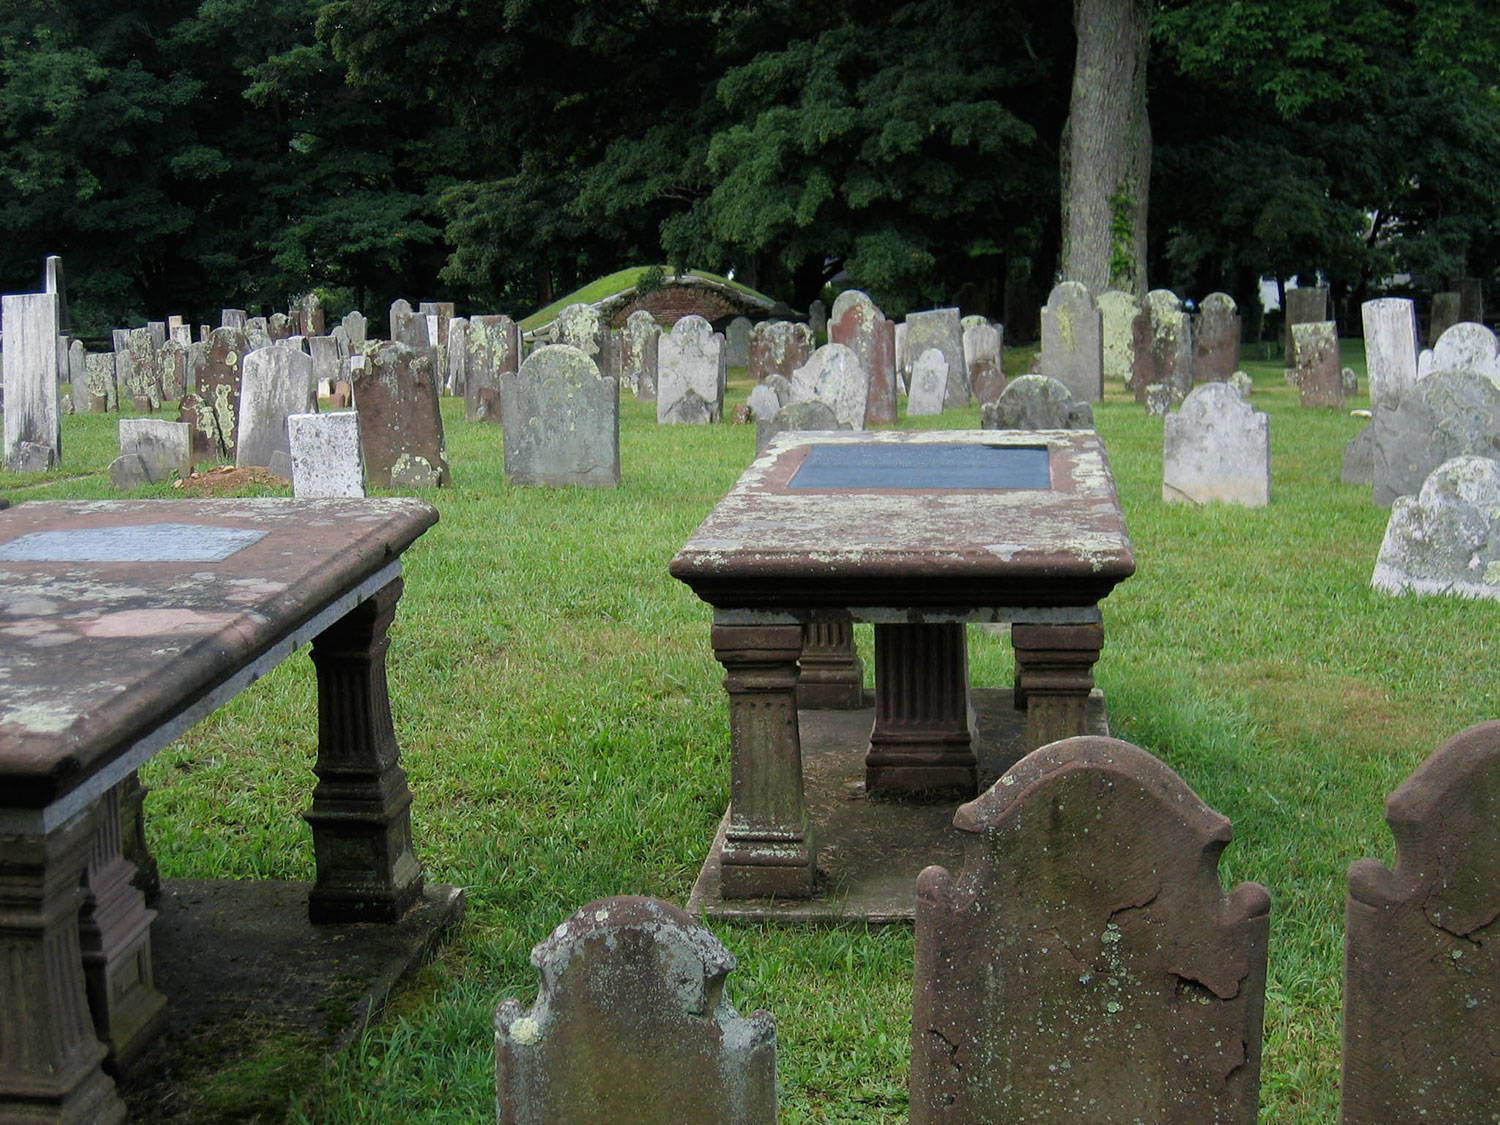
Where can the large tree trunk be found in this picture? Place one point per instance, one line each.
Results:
(1106, 148)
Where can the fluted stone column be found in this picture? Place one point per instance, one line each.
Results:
(831, 676)
(921, 741)
(1054, 675)
(133, 835)
(768, 847)
(361, 811)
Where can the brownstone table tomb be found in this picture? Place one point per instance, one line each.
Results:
(833, 814)
(122, 623)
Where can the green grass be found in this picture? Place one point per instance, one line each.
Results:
(617, 282)
(565, 731)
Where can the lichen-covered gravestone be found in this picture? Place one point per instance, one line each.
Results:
(1117, 313)
(982, 353)
(582, 327)
(778, 347)
(33, 413)
(1315, 361)
(858, 324)
(1216, 339)
(806, 415)
(1446, 539)
(1072, 341)
(1467, 345)
(1162, 346)
(941, 329)
(1305, 305)
(1390, 325)
(929, 383)
(1217, 447)
(1085, 964)
(144, 386)
(1422, 948)
(215, 407)
(274, 382)
(1445, 415)
(690, 373)
(99, 377)
(400, 424)
(632, 1026)
(835, 376)
(562, 421)
(164, 448)
(492, 350)
(638, 354)
(1035, 402)
(327, 459)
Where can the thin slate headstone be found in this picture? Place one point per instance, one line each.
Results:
(172, 370)
(1391, 347)
(54, 282)
(218, 396)
(639, 344)
(940, 329)
(806, 415)
(327, 363)
(33, 411)
(456, 350)
(562, 421)
(929, 384)
(143, 386)
(1445, 415)
(274, 382)
(1422, 948)
(834, 376)
(354, 326)
(400, 422)
(1305, 305)
(633, 1026)
(1085, 964)
(327, 458)
(158, 331)
(1315, 360)
(817, 318)
(164, 448)
(736, 341)
(1446, 539)
(1073, 341)
(690, 373)
(1217, 447)
(1036, 402)
(77, 378)
(403, 321)
(1216, 339)
(1117, 313)
(1162, 346)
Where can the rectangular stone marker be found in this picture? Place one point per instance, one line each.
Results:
(99, 377)
(737, 342)
(1218, 447)
(33, 414)
(1317, 371)
(232, 318)
(778, 347)
(327, 459)
(1422, 948)
(165, 448)
(1391, 346)
(327, 364)
(400, 422)
(1073, 341)
(1117, 313)
(940, 329)
(632, 1026)
(274, 382)
(929, 384)
(1085, 965)
(562, 421)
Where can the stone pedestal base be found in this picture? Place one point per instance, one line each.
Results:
(830, 674)
(920, 744)
(1054, 675)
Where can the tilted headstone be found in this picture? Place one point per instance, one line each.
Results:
(736, 341)
(1445, 415)
(33, 411)
(1391, 338)
(165, 448)
(1085, 964)
(940, 329)
(1305, 305)
(493, 346)
(1162, 346)
(99, 379)
(982, 355)
(1216, 339)
(632, 1026)
(1036, 402)
(354, 325)
(584, 328)
(858, 324)
(1445, 314)
(562, 420)
(327, 458)
(1315, 360)
(400, 423)
(638, 354)
(834, 376)
(456, 351)
(1359, 458)
(1422, 948)
(778, 347)
(929, 384)
(1117, 313)
(1073, 342)
(1446, 539)
(1217, 447)
(809, 414)
(1470, 346)
(274, 382)
(690, 373)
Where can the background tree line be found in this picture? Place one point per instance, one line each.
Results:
(184, 155)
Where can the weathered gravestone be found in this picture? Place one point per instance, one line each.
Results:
(257, 335)
(1318, 374)
(858, 324)
(903, 359)
(982, 354)
(354, 326)
(1072, 341)
(55, 283)
(768, 396)
(1304, 305)
(274, 382)
(172, 370)
(1470, 346)
(1359, 458)
(834, 376)
(1446, 415)
(99, 379)
(327, 363)
(456, 349)
(1085, 964)
(736, 341)
(638, 354)
(817, 318)
(493, 347)
(632, 1026)
(778, 347)
(1445, 314)
(214, 410)
(164, 448)
(1391, 336)
(232, 318)
(1422, 948)
(400, 423)
(1162, 346)
(940, 329)
(158, 331)
(78, 382)
(1446, 539)
(562, 420)
(144, 386)
(1117, 313)
(582, 327)
(1036, 402)
(690, 373)
(310, 313)
(327, 459)
(929, 384)
(1217, 447)
(33, 413)
(810, 414)
(1216, 339)
(1470, 301)
(280, 326)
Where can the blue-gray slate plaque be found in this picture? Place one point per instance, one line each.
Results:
(924, 466)
(151, 542)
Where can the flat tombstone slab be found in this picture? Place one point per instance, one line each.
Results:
(929, 384)
(1216, 339)
(1446, 539)
(274, 382)
(33, 414)
(632, 1025)
(1217, 447)
(1072, 341)
(401, 425)
(941, 329)
(1445, 415)
(327, 459)
(165, 448)
(562, 421)
(1035, 402)
(1318, 373)
(1391, 336)
(1117, 312)
(1422, 959)
(1085, 955)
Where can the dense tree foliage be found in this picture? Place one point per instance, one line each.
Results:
(187, 154)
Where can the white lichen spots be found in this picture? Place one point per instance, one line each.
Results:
(526, 1031)
(32, 607)
(52, 717)
(1111, 935)
(1114, 1007)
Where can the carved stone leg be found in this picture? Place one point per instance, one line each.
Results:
(361, 811)
(768, 848)
(114, 933)
(831, 676)
(1054, 675)
(921, 741)
(133, 836)
(49, 1054)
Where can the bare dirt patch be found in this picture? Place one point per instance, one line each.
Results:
(227, 480)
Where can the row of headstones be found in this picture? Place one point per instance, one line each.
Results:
(1084, 965)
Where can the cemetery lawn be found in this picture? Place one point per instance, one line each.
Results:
(565, 733)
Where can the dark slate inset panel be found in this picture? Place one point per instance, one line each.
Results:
(154, 542)
(924, 466)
